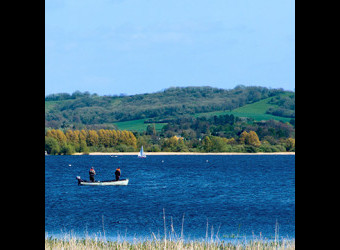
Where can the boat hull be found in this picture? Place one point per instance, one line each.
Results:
(105, 183)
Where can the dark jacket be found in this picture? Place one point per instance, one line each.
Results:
(92, 173)
(117, 173)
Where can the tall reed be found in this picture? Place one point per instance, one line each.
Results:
(170, 240)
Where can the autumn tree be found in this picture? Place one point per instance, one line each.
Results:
(82, 136)
(207, 144)
(92, 138)
(171, 144)
(250, 138)
(72, 136)
(289, 144)
(254, 139)
(244, 137)
(103, 138)
(57, 134)
(132, 139)
(114, 137)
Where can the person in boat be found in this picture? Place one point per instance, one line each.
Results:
(92, 174)
(117, 174)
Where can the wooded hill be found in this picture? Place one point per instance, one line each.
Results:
(84, 110)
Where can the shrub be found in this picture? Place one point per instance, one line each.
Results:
(67, 149)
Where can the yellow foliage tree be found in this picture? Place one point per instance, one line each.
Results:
(51, 133)
(114, 137)
(207, 144)
(243, 138)
(132, 139)
(254, 139)
(250, 138)
(290, 144)
(124, 139)
(72, 136)
(61, 136)
(231, 141)
(103, 137)
(110, 137)
(82, 136)
(92, 138)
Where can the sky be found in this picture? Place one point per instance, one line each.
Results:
(113, 47)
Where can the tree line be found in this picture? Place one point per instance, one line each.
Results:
(67, 96)
(85, 141)
(225, 133)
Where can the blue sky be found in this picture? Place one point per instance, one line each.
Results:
(111, 47)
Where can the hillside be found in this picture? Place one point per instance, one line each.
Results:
(81, 110)
(258, 111)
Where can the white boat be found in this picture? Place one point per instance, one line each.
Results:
(141, 153)
(122, 182)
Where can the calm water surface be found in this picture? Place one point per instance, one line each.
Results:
(243, 195)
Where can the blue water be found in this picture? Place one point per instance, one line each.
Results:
(223, 196)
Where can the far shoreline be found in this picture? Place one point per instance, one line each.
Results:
(185, 153)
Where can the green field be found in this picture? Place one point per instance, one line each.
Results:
(138, 125)
(256, 111)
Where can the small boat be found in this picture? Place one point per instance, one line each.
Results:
(122, 182)
(141, 153)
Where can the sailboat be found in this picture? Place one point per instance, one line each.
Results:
(141, 153)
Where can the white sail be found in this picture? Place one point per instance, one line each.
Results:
(141, 153)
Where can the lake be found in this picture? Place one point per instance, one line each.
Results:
(214, 196)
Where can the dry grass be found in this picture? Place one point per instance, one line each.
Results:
(96, 244)
(90, 243)
(169, 241)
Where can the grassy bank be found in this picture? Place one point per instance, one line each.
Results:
(74, 243)
(170, 240)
